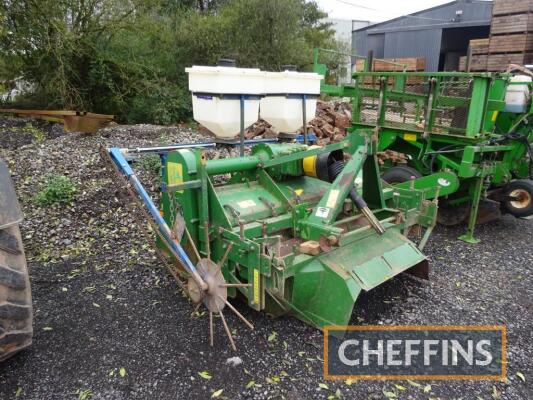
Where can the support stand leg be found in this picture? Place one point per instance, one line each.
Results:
(469, 235)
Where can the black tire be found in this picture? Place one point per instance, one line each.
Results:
(400, 174)
(518, 198)
(16, 313)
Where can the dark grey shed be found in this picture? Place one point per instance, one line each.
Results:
(440, 34)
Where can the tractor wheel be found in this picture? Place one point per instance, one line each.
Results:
(518, 198)
(16, 312)
(400, 174)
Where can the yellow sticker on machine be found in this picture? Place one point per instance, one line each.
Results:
(410, 137)
(175, 174)
(494, 116)
(256, 286)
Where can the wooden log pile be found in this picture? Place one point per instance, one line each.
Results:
(329, 125)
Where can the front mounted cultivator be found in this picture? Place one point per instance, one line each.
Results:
(289, 228)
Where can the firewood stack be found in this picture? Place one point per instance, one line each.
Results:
(329, 125)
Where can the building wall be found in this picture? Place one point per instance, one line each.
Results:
(422, 43)
(420, 36)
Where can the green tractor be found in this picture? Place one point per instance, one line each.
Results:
(16, 314)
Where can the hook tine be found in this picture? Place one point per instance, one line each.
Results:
(230, 337)
(238, 314)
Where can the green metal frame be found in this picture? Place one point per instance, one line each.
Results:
(267, 207)
(479, 153)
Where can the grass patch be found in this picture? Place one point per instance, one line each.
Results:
(56, 189)
(38, 134)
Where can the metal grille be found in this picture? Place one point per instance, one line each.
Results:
(405, 106)
(451, 106)
(407, 112)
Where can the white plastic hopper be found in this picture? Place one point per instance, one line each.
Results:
(213, 108)
(282, 105)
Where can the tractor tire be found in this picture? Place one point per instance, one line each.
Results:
(400, 174)
(520, 203)
(16, 313)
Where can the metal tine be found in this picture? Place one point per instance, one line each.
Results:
(230, 337)
(193, 245)
(196, 307)
(223, 259)
(237, 313)
(211, 340)
(237, 285)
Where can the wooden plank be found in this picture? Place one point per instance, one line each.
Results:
(479, 46)
(386, 65)
(511, 24)
(511, 6)
(462, 63)
(499, 62)
(513, 43)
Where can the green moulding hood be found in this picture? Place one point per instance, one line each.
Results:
(327, 287)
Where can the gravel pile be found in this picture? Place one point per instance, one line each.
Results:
(112, 324)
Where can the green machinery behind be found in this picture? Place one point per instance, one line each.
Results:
(290, 229)
(453, 122)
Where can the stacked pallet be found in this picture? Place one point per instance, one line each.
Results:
(511, 34)
(411, 64)
(510, 41)
(478, 49)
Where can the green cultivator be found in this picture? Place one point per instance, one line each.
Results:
(291, 228)
(476, 126)
(302, 230)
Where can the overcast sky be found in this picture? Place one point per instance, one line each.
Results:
(374, 10)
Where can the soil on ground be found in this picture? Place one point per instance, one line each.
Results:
(111, 323)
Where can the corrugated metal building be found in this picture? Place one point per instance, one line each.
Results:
(440, 34)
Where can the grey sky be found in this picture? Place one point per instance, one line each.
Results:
(374, 10)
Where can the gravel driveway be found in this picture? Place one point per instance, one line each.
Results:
(111, 324)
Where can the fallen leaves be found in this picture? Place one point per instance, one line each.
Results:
(217, 393)
(205, 375)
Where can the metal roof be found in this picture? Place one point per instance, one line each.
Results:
(474, 13)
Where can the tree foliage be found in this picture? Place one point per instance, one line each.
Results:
(127, 57)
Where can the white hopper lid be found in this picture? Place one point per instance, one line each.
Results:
(225, 80)
(292, 82)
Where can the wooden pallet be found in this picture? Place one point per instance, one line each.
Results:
(516, 23)
(499, 62)
(506, 7)
(395, 64)
(511, 43)
(479, 46)
(478, 63)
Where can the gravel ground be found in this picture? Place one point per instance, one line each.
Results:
(111, 324)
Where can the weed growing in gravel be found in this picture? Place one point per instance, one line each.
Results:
(56, 189)
(38, 134)
(150, 163)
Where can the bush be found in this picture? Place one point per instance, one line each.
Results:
(56, 189)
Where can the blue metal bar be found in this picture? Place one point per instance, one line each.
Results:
(125, 168)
